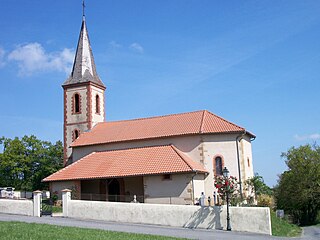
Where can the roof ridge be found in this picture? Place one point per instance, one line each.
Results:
(202, 121)
(174, 114)
(225, 120)
(181, 156)
(161, 116)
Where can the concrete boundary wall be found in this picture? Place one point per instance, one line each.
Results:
(20, 207)
(247, 219)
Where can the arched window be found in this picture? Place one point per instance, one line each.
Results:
(218, 165)
(75, 134)
(97, 104)
(76, 102)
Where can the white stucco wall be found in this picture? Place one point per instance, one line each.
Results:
(246, 164)
(187, 144)
(200, 148)
(73, 118)
(69, 129)
(256, 220)
(97, 117)
(198, 184)
(80, 121)
(177, 190)
(246, 154)
(223, 146)
(20, 207)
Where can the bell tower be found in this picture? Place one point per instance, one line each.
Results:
(83, 94)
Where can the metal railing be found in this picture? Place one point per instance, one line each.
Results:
(111, 198)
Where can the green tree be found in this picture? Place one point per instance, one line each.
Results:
(298, 189)
(263, 194)
(258, 186)
(25, 162)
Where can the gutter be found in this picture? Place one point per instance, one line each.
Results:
(193, 187)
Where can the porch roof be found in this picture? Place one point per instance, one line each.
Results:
(153, 160)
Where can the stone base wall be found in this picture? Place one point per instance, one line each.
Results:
(20, 207)
(247, 219)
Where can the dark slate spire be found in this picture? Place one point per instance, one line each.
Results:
(84, 68)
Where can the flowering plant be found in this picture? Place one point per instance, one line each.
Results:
(226, 185)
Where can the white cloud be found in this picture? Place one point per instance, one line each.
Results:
(137, 47)
(314, 136)
(2, 53)
(114, 45)
(32, 58)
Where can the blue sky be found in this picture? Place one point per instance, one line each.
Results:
(255, 63)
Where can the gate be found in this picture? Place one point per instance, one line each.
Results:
(46, 207)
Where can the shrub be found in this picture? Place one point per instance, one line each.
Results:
(265, 200)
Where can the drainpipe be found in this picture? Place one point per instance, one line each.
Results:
(238, 138)
(193, 187)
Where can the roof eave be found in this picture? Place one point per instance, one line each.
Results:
(251, 135)
(70, 85)
(125, 176)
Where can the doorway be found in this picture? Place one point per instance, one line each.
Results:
(113, 190)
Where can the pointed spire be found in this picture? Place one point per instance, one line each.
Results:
(84, 68)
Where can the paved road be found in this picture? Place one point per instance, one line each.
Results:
(309, 233)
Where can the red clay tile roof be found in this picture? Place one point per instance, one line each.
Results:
(199, 122)
(128, 162)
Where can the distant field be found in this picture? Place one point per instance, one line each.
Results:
(33, 231)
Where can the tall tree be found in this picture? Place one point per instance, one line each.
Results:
(298, 190)
(25, 162)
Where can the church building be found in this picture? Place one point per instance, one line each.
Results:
(163, 159)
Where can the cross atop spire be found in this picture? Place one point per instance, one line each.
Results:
(83, 7)
(84, 68)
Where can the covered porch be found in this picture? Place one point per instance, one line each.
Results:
(157, 174)
(113, 189)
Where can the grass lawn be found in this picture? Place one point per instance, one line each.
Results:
(281, 227)
(33, 231)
